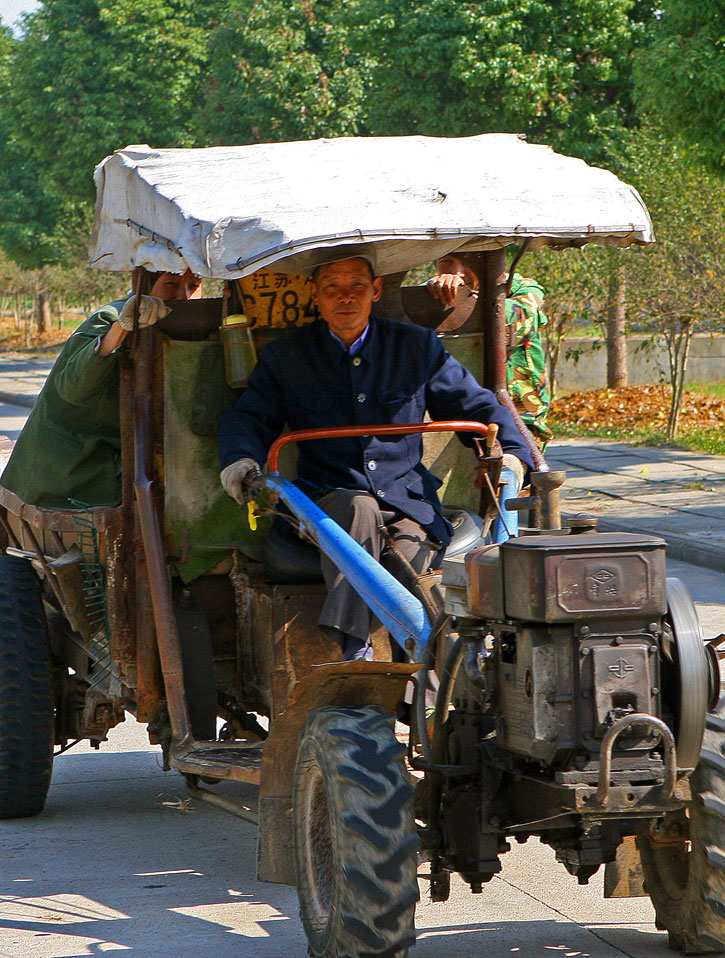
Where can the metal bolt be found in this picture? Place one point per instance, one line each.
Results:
(586, 650)
(651, 649)
(585, 630)
(653, 627)
(618, 640)
(655, 690)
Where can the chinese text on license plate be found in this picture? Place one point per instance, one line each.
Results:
(277, 300)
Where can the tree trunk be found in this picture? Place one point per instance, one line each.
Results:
(43, 312)
(616, 317)
(553, 354)
(679, 352)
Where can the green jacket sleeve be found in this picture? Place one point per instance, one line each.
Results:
(80, 373)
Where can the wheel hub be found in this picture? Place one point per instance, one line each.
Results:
(319, 848)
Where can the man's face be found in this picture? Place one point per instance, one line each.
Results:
(177, 286)
(344, 293)
(453, 266)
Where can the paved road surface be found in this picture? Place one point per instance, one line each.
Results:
(122, 861)
(12, 419)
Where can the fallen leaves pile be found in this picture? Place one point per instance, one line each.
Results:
(15, 339)
(637, 407)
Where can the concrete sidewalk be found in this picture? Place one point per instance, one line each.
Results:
(666, 491)
(22, 378)
(669, 492)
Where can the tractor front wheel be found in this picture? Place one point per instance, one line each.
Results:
(355, 841)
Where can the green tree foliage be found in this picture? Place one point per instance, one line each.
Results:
(283, 70)
(680, 75)
(26, 210)
(675, 288)
(87, 77)
(90, 75)
(558, 72)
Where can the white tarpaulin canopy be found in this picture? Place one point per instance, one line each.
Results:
(227, 211)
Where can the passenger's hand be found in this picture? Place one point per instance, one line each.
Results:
(512, 462)
(151, 309)
(445, 286)
(236, 479)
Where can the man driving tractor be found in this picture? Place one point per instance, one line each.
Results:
(354, 368)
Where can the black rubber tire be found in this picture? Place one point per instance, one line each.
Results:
(26, 698)
(686, 879)
(355, 841)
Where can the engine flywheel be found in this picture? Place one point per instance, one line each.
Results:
(693, 673)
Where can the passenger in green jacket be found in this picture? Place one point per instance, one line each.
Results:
(69, 451)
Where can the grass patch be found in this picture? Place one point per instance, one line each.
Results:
(699, 440)
(714, 388)
(703, 440)
(640, 436)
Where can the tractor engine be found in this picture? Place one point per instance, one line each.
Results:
(573, 625)
(578, 703)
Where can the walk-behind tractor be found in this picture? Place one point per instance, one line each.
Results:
(551, 682)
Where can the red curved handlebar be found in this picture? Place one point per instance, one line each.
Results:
(345, 431)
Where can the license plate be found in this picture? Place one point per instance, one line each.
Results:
(277, 300)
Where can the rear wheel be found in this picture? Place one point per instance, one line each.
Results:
(355, 841)
(26, 705)
(683, 855)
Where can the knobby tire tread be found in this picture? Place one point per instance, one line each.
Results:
(374, 866)
(695, 917)
(26, 705)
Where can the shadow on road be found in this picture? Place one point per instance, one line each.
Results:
(121, 860)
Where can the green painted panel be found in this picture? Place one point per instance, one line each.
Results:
(444, 454)
(203, 525)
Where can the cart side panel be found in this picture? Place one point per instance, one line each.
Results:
(443, 453)
(202, 524)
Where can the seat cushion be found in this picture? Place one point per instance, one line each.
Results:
(287, 558)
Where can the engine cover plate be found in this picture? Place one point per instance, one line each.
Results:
(568, 578)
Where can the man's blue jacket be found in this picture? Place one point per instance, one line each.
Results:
(307, 380)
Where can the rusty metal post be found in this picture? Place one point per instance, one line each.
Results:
(547, 487)
(492, 293)
(167, 635)
(490, 316)
(130, 586)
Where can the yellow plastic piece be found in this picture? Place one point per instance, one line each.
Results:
(251, 505)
